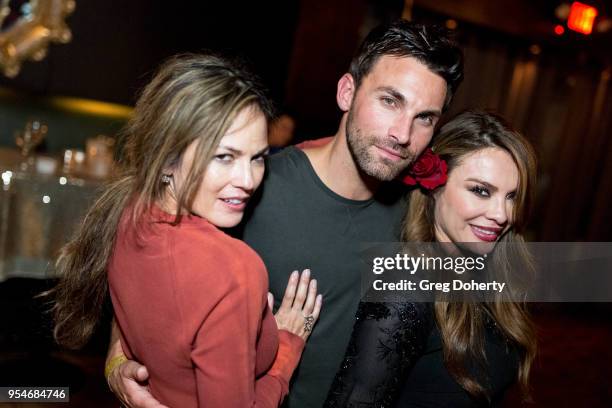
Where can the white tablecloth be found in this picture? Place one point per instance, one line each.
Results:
(37, 215)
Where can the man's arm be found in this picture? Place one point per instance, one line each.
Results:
(128, 380)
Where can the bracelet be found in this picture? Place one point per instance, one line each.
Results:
(114, 363)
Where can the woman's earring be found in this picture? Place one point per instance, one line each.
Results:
(166, 178)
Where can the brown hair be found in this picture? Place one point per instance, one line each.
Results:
(461, 324)
(429, 44)
(191, 98)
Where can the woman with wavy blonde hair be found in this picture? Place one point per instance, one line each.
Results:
(190, 302)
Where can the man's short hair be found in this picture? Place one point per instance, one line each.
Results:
(430, 45)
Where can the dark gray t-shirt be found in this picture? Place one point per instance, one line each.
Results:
(295, 223)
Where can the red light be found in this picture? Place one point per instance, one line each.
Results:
(581, 18)
(559, 30)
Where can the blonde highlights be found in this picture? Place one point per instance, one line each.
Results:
(192, 97)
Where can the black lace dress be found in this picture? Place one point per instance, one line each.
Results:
(394, 359)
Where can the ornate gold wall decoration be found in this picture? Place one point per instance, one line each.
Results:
(28, 27)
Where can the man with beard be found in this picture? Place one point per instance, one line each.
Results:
(319, 203)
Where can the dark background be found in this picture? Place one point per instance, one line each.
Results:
(555, 89)
(560, 98)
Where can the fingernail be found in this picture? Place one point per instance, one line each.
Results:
(313, 283)
(294, 275)
(306, 273)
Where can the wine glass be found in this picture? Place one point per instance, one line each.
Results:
(33, 134)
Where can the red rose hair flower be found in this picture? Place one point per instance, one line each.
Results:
(429, 171)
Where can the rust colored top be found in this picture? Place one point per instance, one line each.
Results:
(191, 305)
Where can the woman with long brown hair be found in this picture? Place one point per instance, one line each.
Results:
(454, 353)
(190, 302)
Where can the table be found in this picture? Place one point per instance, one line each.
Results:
(38, 213)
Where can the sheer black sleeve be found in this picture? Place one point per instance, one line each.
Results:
(387, 340)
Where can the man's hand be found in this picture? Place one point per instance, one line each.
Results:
(128, 381)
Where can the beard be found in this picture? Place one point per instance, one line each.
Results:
(370, 163)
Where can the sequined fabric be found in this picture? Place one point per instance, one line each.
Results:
(398, 333)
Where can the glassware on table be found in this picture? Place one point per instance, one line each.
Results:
(27, 140)
(74, 161)
(99, 156)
